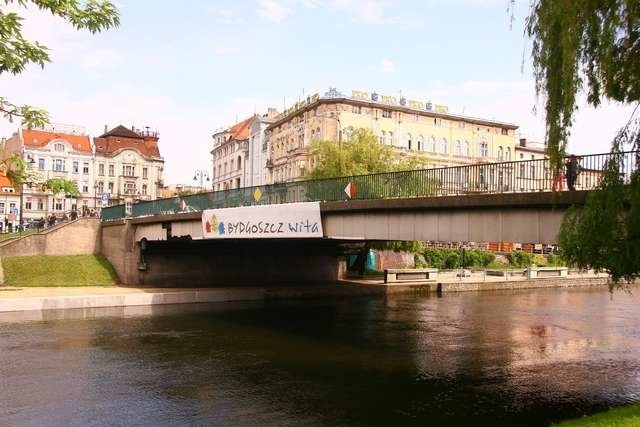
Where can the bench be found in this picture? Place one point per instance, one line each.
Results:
(542, 272)
(507, 273)
(393, 275)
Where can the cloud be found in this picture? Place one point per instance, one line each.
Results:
(387, 66)
(272, 10)
(369, 11)
(223, 15)
(100, 58)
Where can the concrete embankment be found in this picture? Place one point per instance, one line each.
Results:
(25, 299)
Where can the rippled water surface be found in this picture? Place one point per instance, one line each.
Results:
(524, 358)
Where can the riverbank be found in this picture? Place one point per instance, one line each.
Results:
(15, 299)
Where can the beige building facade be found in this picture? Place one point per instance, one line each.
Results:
(411, 127)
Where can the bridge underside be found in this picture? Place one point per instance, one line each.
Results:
(487, 225)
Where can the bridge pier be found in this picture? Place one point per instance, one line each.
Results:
(184, 262)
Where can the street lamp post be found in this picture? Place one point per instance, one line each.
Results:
(30, 161)
(201, 175)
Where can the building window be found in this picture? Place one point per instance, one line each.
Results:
(237, 182)
(110, 187)
(420, 143)
(508, 155)
(461, 125)
(409, 141)
(27, 204)
(85, 168)
(101, 169)
(432, 145)
(444, 146)
(386, 114)
(101, 187)
(128, 170)
(390, 138)
(85, 188)
(75, 167)
(504, 131)
(239, 162)
(41, 164)
(58, 165)
(40, 205)
(458, 147)
(500, 153)
(484, 149)
(465, 148)
(57, 205)
(437, 121)
(383, 136)
(58, 147)
(144, 189)
(130, 188)
(111, 170)
(145, 173)
(357, 109)
(2, 208)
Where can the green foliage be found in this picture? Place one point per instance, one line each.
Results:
(605, 233)
(625, 416)
(520, 259)
(16, 52)
(61, 185)
(355, 160)
(443, 258)
(361, 154)
(419, 261)
(539, 260)
(554, 261)
(593, 45)
(582, 43)
(400, 246)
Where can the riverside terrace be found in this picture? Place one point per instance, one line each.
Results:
(484, 178)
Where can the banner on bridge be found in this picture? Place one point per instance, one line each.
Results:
(291, 220)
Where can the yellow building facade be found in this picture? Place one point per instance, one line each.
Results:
(412, 128)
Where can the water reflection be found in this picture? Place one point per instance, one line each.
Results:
(499, 358)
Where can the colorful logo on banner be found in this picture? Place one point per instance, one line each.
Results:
(351, 190)
(293, 220)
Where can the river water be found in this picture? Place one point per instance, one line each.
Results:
(521, 358)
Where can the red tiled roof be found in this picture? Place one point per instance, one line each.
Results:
(4, 181)
(111, 145)
(240, 131)
(38, 138)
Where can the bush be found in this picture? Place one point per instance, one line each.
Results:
(520, 259)
(539, 260)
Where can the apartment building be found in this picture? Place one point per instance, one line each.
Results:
(128, 165)
(411, 127)
(55, 151)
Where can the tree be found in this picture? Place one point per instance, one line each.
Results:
(354, 160)
(593, 46)
(16, 52)
(360, 154)
(60, 185)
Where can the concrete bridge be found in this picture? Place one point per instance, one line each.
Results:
(172, 249)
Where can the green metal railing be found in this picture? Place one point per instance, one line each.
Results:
(483, 178)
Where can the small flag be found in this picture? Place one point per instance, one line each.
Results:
(351, 190)
(257, 195)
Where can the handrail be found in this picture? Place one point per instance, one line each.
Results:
(481, 178)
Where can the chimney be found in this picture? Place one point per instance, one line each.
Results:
(523, 142)
(105, 128)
